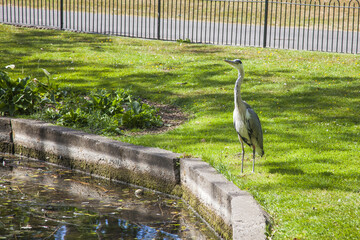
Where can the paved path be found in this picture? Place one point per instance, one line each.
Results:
(195, 31)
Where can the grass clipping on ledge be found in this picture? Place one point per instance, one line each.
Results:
(308, 104)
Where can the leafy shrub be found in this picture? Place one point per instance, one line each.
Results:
(141, 116)
(20, 96)
(110, 103)
(101, 111)
(77, 118)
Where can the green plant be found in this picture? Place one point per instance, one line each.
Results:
(187, 40)
(102, 111)
(21, 96)
(141, 116)
(77, 118)
(108, 102)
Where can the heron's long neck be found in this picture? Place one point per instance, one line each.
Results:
(237, 95)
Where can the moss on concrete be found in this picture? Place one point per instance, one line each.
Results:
(6, 147)
(103, 169)
(208, 214)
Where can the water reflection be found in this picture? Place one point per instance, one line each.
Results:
(61, 233)
(40, 201)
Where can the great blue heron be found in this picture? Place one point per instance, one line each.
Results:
(246, 121)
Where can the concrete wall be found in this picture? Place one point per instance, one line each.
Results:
(233, 213)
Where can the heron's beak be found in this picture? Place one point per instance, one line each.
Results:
(232, 63)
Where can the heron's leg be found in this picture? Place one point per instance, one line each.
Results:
(253, 159)
(242, 154)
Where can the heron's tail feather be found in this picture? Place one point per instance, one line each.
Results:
(260, 151)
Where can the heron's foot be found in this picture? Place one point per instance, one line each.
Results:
(245, 174)
(238, 154)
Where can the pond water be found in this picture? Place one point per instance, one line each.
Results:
(42, 201)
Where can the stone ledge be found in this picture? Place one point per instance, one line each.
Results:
(88, 152)
(233, 213)
(236, 208)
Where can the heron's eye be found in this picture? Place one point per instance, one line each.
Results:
(238, 61)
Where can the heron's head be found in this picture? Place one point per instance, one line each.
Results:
(235, 63)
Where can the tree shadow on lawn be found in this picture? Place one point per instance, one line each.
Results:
(26, 43)
(41, 38)
(314, 102)
(293, 177)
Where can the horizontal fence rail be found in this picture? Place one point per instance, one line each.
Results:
(316, 25)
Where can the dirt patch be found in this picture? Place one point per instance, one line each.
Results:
(171, 116)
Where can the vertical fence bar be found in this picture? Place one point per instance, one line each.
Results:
(53, 13)
(338, 30)
(23, 12)
(246, 20)
(170, 18)
(299, 29)
(285, 18)
(41, 13)
(105, 17)
(83, 11)
(206, 22)
(133, 18)
(188, 19)
(303, 28)
(224, 30)
(184, 21)
(138, 14)
(45, 10)
(232, 23)
(281, 13)
(15, 20)
(308, 28)
(124, 17)
(158, 18)
(76, 15)
(18, 12)
(3, 12)
(165, 17)
(347, 32)
(358, 28)
(266, 22)
(197, 22)
(256, 23)
(220, 26)
(218, 23)
(61, 14)
(237, 22)
(353, 29)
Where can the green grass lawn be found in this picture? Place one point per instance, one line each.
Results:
(308, 103)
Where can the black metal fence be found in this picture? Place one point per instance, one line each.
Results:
(317, 25)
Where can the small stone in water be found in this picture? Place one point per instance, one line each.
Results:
(139, 192)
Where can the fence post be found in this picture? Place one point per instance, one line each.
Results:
(266, 22)
(158, 23)
(61, 14)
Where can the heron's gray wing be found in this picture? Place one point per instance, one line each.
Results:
(254, 128)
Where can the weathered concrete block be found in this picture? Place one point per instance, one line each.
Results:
(6, 145)
(248, 218)
(235, 207)
(93, 149)
(5, 129)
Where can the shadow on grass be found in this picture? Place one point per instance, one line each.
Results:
(323, 180)
(287, 171)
